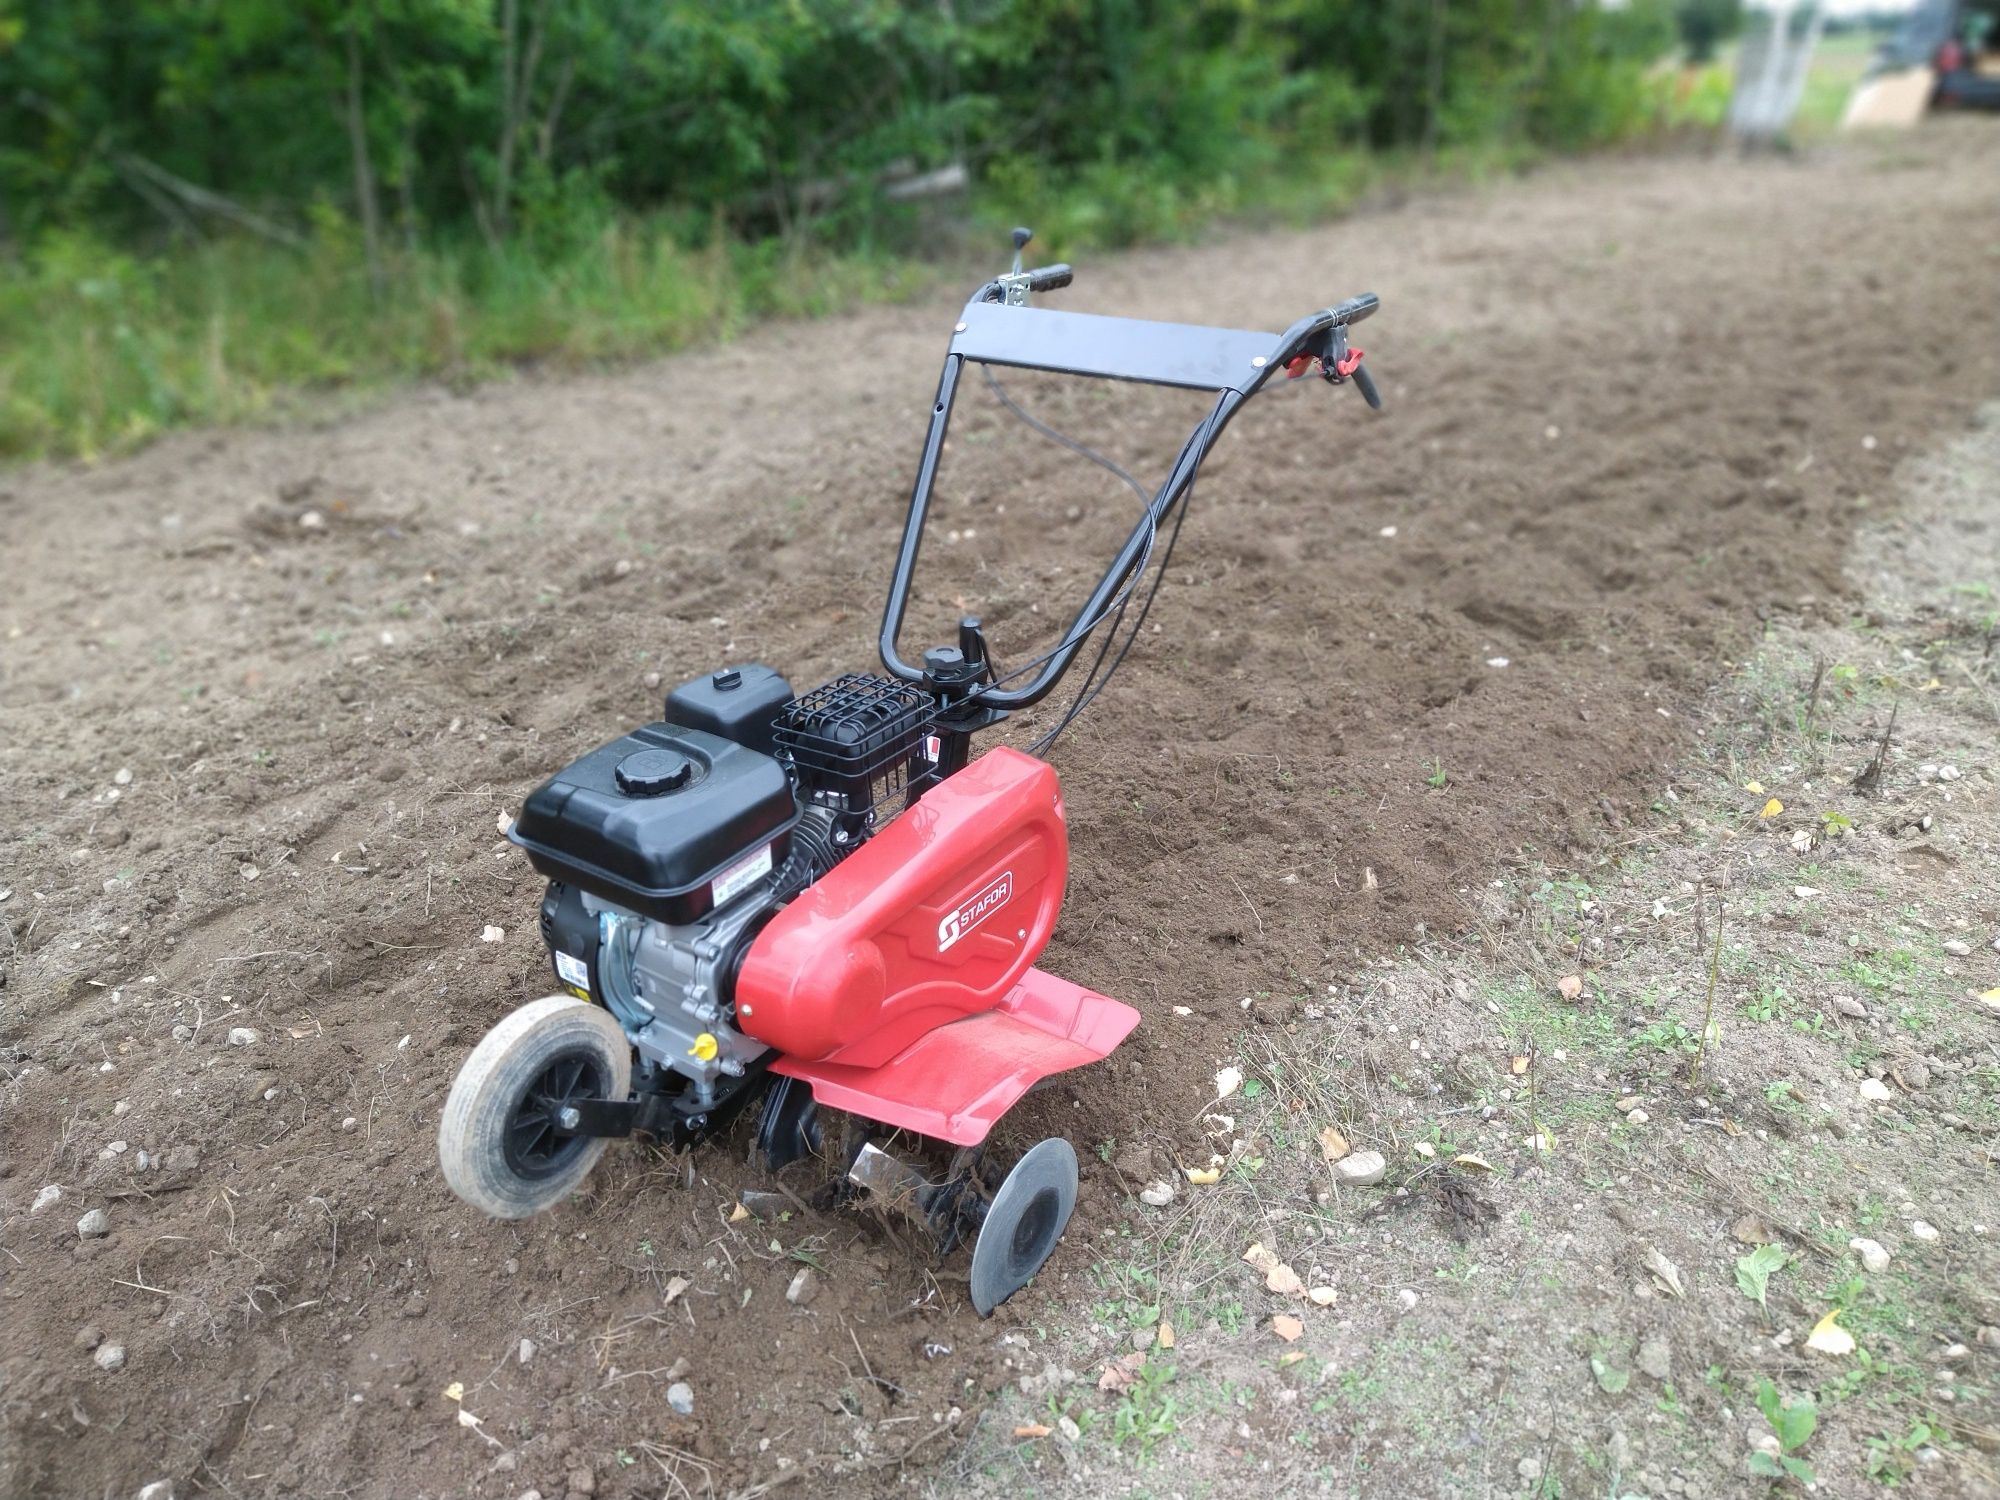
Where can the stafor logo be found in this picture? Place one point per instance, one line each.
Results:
(994, 895)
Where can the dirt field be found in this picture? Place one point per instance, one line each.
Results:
(263, 696)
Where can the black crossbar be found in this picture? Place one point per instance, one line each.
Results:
(1068, 343)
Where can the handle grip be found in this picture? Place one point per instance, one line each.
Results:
(1048, 278)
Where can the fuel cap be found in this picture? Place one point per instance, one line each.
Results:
(649, 773)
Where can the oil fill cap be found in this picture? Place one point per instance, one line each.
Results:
(649, 773)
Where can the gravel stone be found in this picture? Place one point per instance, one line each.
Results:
(680, 1396)
(109, 1357)
(1874, 1257)
(45, 1198)
(1656, 1358)
(94, 1225)
(1361, 1168)
(242, 1036)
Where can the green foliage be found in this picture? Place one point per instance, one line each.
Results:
(1610, 1378)
(1755, 1270)
(1705, 25)
(206, 202)
(1793, 1420)
(1149, 1412)
(1892, 1458)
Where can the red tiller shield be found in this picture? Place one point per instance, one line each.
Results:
(900, 985)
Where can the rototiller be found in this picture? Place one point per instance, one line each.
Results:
(740, 914)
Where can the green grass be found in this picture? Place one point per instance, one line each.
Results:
(102, 349)
(1700, 96)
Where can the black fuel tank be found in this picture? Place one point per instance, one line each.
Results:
(664, 821)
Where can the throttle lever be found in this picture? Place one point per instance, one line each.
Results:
(1337, 363)
(1365, 383)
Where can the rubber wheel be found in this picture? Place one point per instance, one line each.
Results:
(497, 1140)
(1027, 1217)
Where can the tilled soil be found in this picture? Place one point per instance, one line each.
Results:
(267, 695)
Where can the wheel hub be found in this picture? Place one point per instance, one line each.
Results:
(536, 1142)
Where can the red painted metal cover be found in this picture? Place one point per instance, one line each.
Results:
(955, 1082)
(935, 919)
(937, 916)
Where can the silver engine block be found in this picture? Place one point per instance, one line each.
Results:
(664, 984)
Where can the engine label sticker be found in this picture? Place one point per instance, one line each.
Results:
(958, 924)
(740, 876)
(573, 971)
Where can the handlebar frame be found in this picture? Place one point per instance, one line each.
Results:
(997, 329)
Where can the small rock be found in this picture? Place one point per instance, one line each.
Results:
(109, 1357)
(46, 1197)
(491, 934)
(1914, 1074)
(582, 1482)
(122, 1107)
(1067, 1426)
(1408, 1298)
(159, 1489)
(94, 1225)
(243, 1036)
(183, 1033)
(804, 1287)
(1656, 1358)
(1948, 773)
(1875, 1091)
(1629, 1103)
(116, 1148)
(1850, 1007)
(526, 1351)
(1361, 1168)
(1873, 1256)
(1922, 1230)
(1954, 1352)
(768, 1207)
(680, 1396)
(1957, 949)
(1637, 1117)
(348, 1123)
(1143, 1338)
(89, 1336)
(1157, 1194)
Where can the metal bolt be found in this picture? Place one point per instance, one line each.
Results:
(1257, 363)
(743, 1010)
(568, 1117)
(959, 329)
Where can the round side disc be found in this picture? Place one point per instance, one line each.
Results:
(1021, 1229)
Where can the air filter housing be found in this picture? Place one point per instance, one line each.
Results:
(857, 736)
